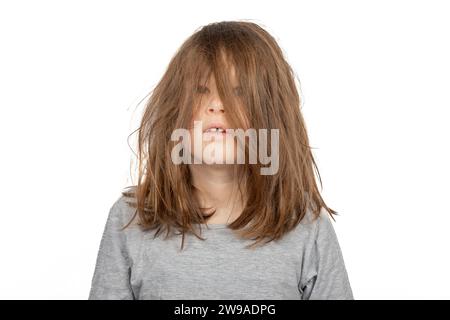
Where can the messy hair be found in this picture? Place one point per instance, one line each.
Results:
(275, 204)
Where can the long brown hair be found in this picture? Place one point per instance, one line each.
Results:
(275, 204)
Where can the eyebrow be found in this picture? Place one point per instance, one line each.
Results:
(204, 86)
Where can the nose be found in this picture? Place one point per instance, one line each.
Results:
(215, 107)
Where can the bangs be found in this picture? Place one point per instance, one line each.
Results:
(207, 61)
(248, 66)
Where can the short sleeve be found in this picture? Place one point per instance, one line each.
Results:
(111, 279)
(327, 277)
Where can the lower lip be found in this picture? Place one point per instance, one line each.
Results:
(215, 135)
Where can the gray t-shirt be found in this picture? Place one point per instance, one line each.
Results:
(307, 263)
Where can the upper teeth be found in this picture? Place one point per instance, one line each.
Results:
(217, 130)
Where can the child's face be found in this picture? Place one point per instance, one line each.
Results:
(218, 147)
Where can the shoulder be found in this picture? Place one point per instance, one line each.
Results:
(121, 211)
(314, 225)
(122, 226)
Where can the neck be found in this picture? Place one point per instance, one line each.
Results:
(217, 186)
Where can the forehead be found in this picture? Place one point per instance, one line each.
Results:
(223, 64)
(231, 71)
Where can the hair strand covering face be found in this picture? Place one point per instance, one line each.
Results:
(275, 204)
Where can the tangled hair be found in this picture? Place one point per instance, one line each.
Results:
(275, 204)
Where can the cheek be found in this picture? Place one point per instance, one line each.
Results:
(197, 111)
(244, 121)
(196, 117)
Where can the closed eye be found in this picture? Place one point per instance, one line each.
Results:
(202, 89)
(238, 91)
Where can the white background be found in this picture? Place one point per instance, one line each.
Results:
(375, 79)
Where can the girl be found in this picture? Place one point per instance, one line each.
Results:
(214, 229)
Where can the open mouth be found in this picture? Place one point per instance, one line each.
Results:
(214, 133)
(215, 130)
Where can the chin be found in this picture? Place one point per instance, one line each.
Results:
(216, 162)
(227, 155)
